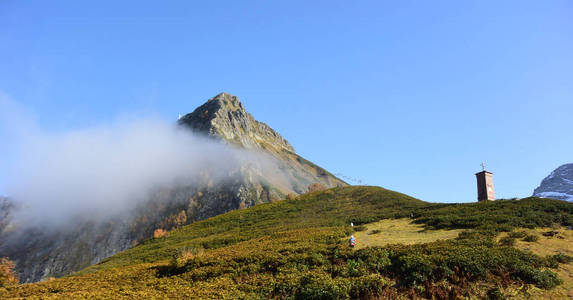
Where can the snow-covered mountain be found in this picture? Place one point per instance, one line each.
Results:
(558, 185)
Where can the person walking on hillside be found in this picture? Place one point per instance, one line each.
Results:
(352, 241)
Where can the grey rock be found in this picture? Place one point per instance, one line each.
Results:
(224, 116)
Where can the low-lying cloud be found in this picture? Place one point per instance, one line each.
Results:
(103, 170)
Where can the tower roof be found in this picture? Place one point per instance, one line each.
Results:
(484, 171)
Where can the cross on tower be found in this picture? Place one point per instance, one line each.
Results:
(483, 166)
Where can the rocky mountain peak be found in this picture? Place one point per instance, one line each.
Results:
(228, 101)
(224, 117)
(558, 185)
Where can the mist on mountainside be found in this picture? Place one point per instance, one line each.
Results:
(93, 173)
(79, 196)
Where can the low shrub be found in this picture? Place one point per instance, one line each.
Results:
(517, 234)
(559, 258)
(478, 237)
(507, 241)
(375, 231)
(364, 220)
(184, 255)
(159, 233)
(321, 286)
(415, 268)
(563, 258)
(495, 294)
(367, 287)
(461, 261)
(531, 238)
(315, 187)
(544, 279)
(7, 276)
(360, 228)
(355, 268)
(500, 215)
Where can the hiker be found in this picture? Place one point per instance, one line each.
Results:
(352, 241)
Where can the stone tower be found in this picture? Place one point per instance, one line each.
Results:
(485, 185)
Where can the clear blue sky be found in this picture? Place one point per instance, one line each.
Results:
(408, 95)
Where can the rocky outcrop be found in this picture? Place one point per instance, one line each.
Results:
(40, 253)
(224, 117)
(558, 185)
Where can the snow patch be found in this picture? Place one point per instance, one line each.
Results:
(555, 195)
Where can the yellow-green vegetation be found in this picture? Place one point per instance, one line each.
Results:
(554, 246)
(399, 231)
(296, 249)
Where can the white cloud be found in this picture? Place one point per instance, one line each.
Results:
(106, 169)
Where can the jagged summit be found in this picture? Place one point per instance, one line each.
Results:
(558, 185)
(227, 99)
(224, 116)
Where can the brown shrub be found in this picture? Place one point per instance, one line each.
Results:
(507, 241)
(7, 276)
(274, 199)
(315, 187)
(181, 218)
(531, 238)
(159, 233)
(185, 254)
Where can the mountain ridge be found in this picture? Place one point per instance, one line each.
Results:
(558, 184)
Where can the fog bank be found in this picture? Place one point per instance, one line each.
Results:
(104, 170)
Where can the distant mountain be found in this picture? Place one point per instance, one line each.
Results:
(558, 185)
(39, 253)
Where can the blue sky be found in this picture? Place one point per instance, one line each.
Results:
(408, 95)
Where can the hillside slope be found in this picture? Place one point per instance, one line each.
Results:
(293, 249)
(332, 208)
(272, 171)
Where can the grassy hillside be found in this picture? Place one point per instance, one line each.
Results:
(297, 249)
(331, 208)
(399, 231)
(500, 215)
(555, 246)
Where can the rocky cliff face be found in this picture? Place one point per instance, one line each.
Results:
(558, 185)
(224, 117)
(40, 253)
